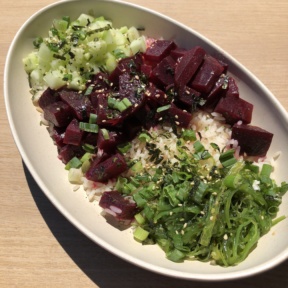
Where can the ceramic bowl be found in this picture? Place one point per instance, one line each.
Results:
(40, 155)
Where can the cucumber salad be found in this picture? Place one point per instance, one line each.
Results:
(159, 136)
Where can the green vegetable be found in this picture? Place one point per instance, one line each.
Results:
(73, 163)
(193, 210)
(75, 49)
(88, 127)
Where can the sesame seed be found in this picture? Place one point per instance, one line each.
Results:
(225, 237)
(177, 123)
(176, 116)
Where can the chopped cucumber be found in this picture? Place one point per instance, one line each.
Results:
(78, 48)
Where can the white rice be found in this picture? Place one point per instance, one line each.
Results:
(211, 128)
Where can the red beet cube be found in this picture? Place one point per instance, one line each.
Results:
(163, 73)
(188, 65)
(177, 53)
(219, 89)
(67, 152)
(79, 103)
(120, 207)
(158, 50)
(108, 169)
(207, 75)
(156, 97)
(108, 140)
(48, 97)
(232, 88)
(254, 141)
(234, 109)
(189, 98)
(73, 134)
(58, 113)
(130, 65)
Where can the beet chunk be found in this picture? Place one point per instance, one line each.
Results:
(233, 89)
(156, 97)
(216, 93)
(176, 116)
(254, 141)
(207, 75)
(110, 168)
(122, 208)
(108, 140)
(130, 65)
(163, 73)
(189, 98)
(58, 113)
(188, 65)
(158, 50)
(234, 109)
(131, 88)
(73, 134)
(106, 117)
(67, 152)
(48, 97)
(177, 53)
(79, 103)
(57, 134)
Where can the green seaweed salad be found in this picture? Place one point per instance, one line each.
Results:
(197, 211)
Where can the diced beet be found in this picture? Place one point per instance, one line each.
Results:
(57, 135)
(79, 103)
(100, 81)
(232, 88)
(108, 169)
(58, 113)
(131, 88)
(180, 117)
(108, 145)
(163, 73)
(90, 138)
(176, 116)
(67, 152)
(122, 208)
(130, 65)
(188, 65)
(146, 116)
(158, 50)
(177, 53)
(48, 97)
(234, 109)
(156, 97)
(146, 69)
(189, 98)
(207, 75)
(219, 89)
(253, 140)
(106, 117)
(73, 134)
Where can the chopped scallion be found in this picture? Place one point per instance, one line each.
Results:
(88, 127)
(73, 163)
(163, 108)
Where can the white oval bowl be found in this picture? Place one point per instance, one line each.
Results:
(40, 155)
